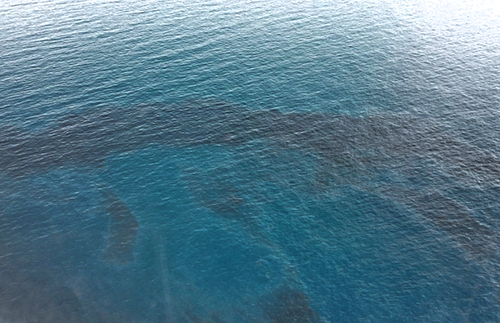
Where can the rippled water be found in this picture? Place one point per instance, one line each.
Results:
(263, 161)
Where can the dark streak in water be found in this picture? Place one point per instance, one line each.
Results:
(36, 295)
(364, 145)
(377, 141)
(479, 241)
(223, 199)
(360, 143)
(288, 305)
(123, 228)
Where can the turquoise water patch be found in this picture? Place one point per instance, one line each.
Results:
(250, 162)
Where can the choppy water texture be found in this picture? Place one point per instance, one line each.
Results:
(249, 162)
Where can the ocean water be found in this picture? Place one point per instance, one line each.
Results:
(249, 161)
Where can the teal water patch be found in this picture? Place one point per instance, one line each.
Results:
(273, 222)
(203, 251)
(253, 162)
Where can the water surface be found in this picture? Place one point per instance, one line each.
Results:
(229, 161)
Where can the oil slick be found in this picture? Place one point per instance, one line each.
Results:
(361, 142)
(123, 226)
(30, 292)
(349, 151)
(290, 305)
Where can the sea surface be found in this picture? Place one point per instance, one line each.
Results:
(249, 161)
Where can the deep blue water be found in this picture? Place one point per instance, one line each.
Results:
(260, 161)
